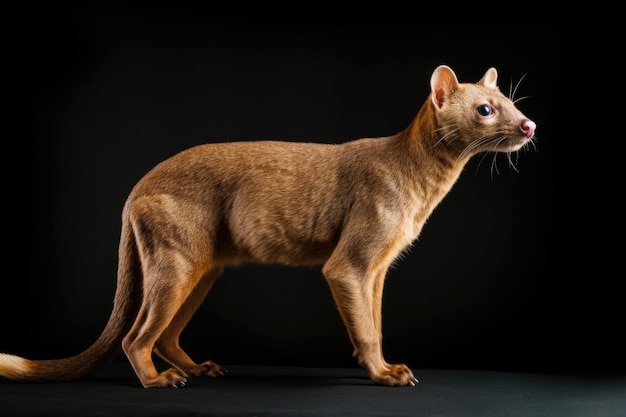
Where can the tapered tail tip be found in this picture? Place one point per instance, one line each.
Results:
(14, 367)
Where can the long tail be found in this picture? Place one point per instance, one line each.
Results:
(108, 346)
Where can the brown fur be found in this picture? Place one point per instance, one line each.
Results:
(352, 207)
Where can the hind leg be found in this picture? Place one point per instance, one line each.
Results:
(167, 345)
(169, 277)
(163, 298)
(177, 272)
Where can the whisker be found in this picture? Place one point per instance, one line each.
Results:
(516, 86)
(477, 143)
(520, 99)
(531, 143)
(484, 155)
(494, 165)
(445, 136)
(446, 127)
(470, 148)
(512, 163)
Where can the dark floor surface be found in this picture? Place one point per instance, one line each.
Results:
(289, 391)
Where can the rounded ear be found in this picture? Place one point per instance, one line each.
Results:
(490, 78)
(442, 83)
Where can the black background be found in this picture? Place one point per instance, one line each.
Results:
(100, 95)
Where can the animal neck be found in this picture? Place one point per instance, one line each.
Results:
(435, 164)
(425, 135)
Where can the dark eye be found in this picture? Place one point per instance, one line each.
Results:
(484, 110)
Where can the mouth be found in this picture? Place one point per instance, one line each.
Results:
(513, 145)
(509, 144)
(498, 143)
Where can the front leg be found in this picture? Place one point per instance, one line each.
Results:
(393, 372)
(358, 295)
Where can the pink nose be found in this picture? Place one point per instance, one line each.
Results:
(528, 127)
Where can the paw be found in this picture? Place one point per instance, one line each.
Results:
(398, 375)
(166, 379)
(208, 368)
